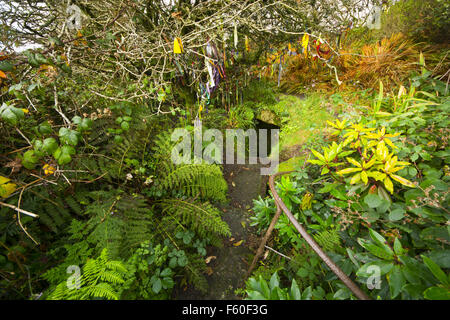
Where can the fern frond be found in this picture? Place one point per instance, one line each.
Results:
(101, 290)
(96, 281)
(192, 180)
(201, 217)
(329, 240)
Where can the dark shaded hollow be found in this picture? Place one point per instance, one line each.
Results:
(259, 124)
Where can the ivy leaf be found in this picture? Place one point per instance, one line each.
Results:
(167, 283)
(118, 139)
(38, 148)
(173, 262)
(83, 124)
(302, 272)
(30, 159)
(342, 294)
(64, 154)
(182, 261)
(125, 125)
(68, 136)
(166, 272)
(77, 120)
(11, 114)
(45, 128)
(50, 145)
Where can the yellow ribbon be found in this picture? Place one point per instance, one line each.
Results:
(305, 41)
(177, 46)
(200, 108)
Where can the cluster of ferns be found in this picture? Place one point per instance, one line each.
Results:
(100, 222)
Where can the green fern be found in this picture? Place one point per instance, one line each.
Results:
(53, 210)
(193, 180)
(118, 222)
(100, 279)
(195, 273)
(329, 240)
(200, 217)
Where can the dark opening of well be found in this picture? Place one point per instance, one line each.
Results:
(259, 124)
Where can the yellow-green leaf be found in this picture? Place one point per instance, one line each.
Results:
(364, 177)
(389, 142)
(354, 162)
(347, 171)
(382, 151)
(389, 185)
(403, 181)
(377, 175)
(318, 155)
(369, 164)
(6, 187)
(356, 178)
(237, 244)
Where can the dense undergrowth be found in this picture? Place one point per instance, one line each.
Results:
(90, 198)
(375, 198)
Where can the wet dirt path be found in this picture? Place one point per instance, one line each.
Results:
(228, 269)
